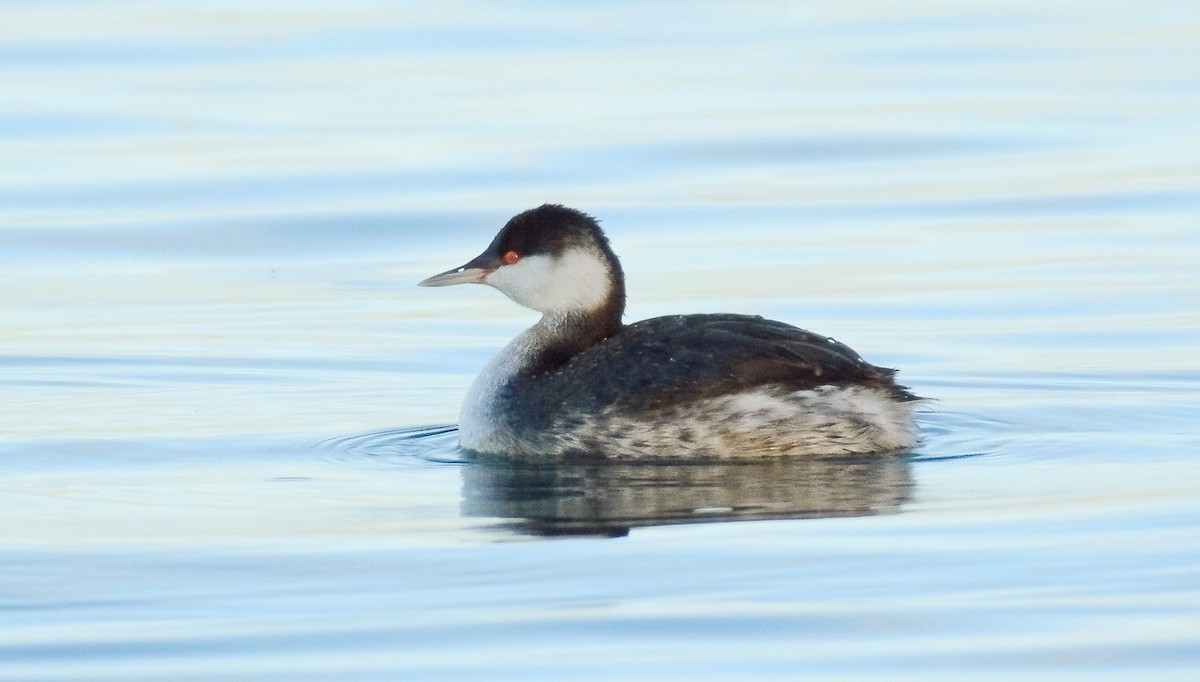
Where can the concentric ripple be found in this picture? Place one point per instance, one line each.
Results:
(438, 444)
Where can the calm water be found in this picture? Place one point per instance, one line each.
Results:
(225, 449)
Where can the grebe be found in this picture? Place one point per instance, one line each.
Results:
(579, 383)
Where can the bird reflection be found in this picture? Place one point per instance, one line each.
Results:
(608, 499)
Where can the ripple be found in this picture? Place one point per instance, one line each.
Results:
(403, 446)
(948, 435)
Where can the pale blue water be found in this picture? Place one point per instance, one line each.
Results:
(223, 402)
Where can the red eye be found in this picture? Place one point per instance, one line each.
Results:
(511, 257)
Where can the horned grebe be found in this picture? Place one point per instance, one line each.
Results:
(579, 383)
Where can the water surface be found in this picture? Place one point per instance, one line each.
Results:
(226, 442)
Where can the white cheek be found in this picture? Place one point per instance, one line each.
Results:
(576, 281)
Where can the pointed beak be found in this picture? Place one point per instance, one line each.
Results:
(473, 272)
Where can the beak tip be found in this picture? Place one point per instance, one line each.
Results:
(463, 275)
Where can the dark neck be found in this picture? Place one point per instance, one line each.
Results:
(562, 336)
